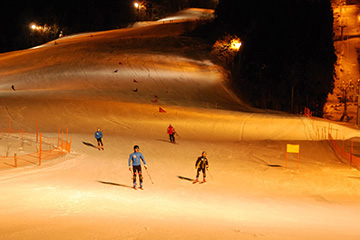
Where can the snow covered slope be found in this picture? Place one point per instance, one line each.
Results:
(117, 80)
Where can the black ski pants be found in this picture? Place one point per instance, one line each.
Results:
(137, 169)
(172, 137)
(198, 172)
(99, 141)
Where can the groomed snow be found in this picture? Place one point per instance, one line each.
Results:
(117, 80)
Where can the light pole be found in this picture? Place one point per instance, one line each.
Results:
(343, 22)
(137, 7)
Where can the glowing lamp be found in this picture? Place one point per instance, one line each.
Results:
(235, 44)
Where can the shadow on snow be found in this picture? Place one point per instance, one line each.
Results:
(89, 144)
(115, 184)
(186, 178)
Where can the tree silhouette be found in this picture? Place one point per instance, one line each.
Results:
(287, 57)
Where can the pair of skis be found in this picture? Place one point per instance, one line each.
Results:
(199, 182)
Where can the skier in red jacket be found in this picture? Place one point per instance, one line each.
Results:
(171, 131)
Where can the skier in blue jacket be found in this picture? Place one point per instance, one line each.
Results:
(99, 136)
(135, 160)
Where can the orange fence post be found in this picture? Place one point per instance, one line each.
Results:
(62, 143)
(63, 146)
(68, 145)
(37, 130)
(59, 138)
(15, 158)
(354, 160)
(9, 126)
(40, 150)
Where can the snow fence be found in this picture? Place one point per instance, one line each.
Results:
(349, 156)
(20, 148)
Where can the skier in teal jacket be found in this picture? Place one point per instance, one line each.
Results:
(135, 161)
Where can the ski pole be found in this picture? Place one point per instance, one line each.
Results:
(149, 175)
(210, 174)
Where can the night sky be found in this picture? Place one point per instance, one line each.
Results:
(68, 16)
(77, 16)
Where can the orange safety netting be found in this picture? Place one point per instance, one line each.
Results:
(353, 160)
(20, 148)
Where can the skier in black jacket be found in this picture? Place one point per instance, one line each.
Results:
(201, 164)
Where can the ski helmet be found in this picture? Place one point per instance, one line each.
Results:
(136, 147)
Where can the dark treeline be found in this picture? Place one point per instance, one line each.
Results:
(76, 16)
(287, 58)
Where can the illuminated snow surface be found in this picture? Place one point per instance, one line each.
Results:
(87, 81)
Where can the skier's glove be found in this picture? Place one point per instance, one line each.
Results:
(145, 166)
(207, 168)
(130, 169)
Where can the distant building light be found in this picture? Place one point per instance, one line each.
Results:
(39, 28)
